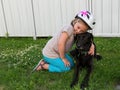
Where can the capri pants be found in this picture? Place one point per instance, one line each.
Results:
(57, 65)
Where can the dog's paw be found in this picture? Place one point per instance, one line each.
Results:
(83, 87)
(71, 85)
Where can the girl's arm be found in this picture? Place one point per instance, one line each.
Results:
(91, 51)
(61, 47)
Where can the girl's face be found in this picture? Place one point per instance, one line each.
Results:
(80, 27)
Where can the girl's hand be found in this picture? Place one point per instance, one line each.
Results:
(92, 48)
(66, 62)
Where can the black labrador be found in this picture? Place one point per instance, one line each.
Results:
(83, 59)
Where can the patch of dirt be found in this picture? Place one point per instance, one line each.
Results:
(2, 87)
(117, 87)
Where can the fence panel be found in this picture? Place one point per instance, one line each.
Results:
(47, 16)
(107, 14)
(2, 22)
(19, 17)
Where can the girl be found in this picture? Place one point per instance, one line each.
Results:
(55, 57)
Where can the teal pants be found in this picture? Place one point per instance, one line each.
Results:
(57, 65)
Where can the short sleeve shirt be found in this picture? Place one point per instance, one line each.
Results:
(51, 48)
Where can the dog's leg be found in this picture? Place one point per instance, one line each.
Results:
(86, 78)
(76, 75)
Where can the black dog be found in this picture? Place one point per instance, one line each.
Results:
(83, 59)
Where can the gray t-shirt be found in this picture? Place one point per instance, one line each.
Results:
(51, 48)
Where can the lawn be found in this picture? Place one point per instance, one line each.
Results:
(18, 56)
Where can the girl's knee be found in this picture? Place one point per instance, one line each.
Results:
(65, 69)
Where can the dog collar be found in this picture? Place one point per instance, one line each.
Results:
(84, 52)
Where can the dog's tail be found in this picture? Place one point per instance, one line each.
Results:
(98, 56)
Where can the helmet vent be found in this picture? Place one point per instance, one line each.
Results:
(93, 23)
(88, 16)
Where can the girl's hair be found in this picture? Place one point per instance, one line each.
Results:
(74, 21)
(78, 20)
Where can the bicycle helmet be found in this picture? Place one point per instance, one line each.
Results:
(87, 17)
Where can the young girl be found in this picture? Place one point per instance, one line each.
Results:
(55, 57)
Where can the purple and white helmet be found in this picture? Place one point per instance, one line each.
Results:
(87, 17)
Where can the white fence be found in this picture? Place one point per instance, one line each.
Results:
(38, 18)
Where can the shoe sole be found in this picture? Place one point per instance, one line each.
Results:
(37, 65)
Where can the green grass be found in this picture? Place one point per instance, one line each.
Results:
(18, 56)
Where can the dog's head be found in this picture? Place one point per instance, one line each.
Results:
(84, 41)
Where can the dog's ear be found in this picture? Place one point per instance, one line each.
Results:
(75, 38)
(91, 36)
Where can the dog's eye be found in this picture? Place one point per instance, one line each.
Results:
(83, 36)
